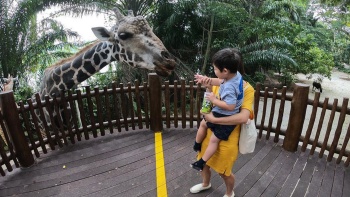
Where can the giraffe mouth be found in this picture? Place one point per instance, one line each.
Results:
(165, 65)
(165, 70)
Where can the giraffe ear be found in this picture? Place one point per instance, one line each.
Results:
(102, 33)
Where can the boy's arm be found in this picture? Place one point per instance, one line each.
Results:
(207, 81)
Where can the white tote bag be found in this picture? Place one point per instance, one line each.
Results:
(247, 138)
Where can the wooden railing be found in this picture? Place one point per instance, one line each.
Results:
(311, 124)
(92, 113)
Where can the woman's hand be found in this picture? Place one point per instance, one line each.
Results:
(209, 117)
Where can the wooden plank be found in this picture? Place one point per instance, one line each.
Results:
(246, 168)
(259, 187)
(123, 165)
(133, 186)
(317, 177)
(84, 151)
(81, 168)
(101, 176)
(180, 186)
(292, 179)
(257, 172)
(243, 159)
(276, 185)
(177, 172)
(174, 166)
(338, 181)
(327, 182)
(306, 177)
(346, 188)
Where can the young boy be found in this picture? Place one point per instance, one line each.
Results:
(225, 63)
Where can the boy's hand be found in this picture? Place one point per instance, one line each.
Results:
(204, 80)
(211, 97)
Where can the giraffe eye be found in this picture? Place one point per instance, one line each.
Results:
(124, 35)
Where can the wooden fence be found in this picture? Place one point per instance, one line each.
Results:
(93, 113)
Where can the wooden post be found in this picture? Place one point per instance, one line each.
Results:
(155, 90)
(9, 109)
(296, 117)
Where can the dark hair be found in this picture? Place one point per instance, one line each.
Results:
(229, 58)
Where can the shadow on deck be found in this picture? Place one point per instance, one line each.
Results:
(123, 164)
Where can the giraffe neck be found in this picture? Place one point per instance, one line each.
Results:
(73, 72)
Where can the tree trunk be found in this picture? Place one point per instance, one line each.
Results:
(208, 44)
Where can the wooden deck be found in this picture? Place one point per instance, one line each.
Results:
(123, 164)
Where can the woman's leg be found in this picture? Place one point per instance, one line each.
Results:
(206, 174)
(229, 182)
(205, 181)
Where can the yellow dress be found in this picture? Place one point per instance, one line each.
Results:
(226, 154)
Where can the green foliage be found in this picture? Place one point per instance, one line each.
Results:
(23, 93)
(28, 44)
(282, 36)
(311, 58)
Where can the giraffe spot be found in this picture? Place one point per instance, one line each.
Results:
(116, 48)
(129, 54)
(131, 64)
(89, 67)
(77, 63)
(99, 47)
(89, 54)
(123, 56)
(68, 79)
(57, 71)
(56, 78)
(97, 59)
(82, 76)
(104, 55)
(103, 64)
(54, 91)
(104, 46)
(115, 57)
(62, 87)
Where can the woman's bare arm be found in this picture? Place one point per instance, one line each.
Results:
(240, 118)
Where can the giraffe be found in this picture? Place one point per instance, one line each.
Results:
(131, 41)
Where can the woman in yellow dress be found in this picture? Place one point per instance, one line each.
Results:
(226, 155)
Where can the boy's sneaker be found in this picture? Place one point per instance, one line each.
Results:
(198, 165)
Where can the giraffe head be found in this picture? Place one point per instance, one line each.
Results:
(136, 44)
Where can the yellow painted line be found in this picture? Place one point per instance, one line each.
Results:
(160, 168)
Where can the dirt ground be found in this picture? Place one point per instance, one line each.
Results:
(336, 87)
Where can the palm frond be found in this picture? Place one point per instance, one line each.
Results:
(269, 56)
(272, 42)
